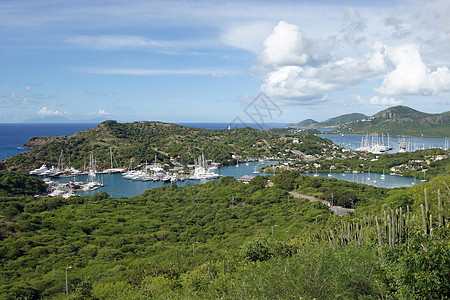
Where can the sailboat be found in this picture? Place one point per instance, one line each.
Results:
(112, 169)
(316, 174)
(423, 180)
(383, 177)
(329, 174)
(92, 169)
(256, 170)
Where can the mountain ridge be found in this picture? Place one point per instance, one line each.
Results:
(400, 120)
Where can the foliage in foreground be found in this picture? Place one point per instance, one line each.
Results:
(146, 246)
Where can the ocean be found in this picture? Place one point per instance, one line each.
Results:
(14, 135)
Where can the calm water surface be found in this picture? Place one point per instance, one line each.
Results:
(412, 143)
(116, 186)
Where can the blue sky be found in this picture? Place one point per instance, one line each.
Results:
(205, 61)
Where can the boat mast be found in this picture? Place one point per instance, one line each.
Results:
(110, 151)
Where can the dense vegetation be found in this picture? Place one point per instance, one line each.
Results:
(14, 183)
(146, 246)
(401, 120)
(140, 141)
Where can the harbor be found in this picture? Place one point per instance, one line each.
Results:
(117, 186)
(389, 144)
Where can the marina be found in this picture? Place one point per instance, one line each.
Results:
(377, 142)
(117, 186)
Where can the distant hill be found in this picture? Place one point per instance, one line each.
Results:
(332, 122)
(304, 123)
(401, 120)
(336, 121)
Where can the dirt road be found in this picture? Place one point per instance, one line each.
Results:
(337, 209)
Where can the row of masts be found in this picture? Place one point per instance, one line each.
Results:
(63, 170)
(372, 144)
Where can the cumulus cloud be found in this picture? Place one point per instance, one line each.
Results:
(288, 45)
(45, 112)
(100, 112)
(293, 75)
(285, 46)
(411, 76)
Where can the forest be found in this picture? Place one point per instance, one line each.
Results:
(225, 239)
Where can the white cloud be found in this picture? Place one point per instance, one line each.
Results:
(378, 101)
(45, 111)
(293, 75)
(113, 42)
(411, 76)
(100, 112)
(248, 36)
(285, 46)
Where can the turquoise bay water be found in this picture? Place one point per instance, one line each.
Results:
(117, 186)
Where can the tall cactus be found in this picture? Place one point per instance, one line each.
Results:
(424, 219)
(380, 240)
(441, 217)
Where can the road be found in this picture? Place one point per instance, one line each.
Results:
(337, 209)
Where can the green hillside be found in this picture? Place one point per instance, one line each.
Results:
(401, 120)
(336, 121)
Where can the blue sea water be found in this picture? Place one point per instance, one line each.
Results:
(14, 135)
